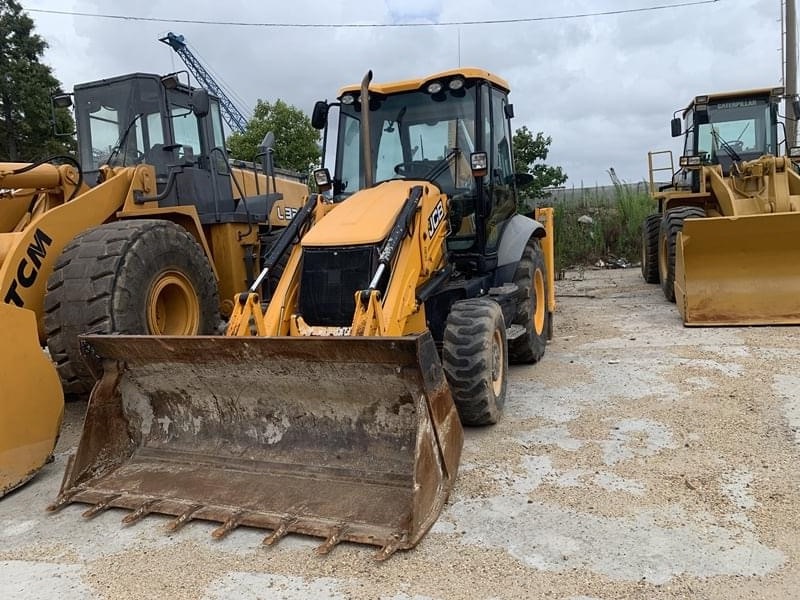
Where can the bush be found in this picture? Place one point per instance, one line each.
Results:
(612, 230)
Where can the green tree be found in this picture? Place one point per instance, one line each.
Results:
(295, 139)
(26, 85)
(530, 152)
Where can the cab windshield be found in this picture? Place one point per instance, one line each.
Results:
(738, 129)
(415, 135)
(118, 122)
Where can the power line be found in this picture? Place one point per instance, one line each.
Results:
(371, 25)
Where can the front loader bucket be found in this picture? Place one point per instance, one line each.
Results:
(344, 438)
(31, 400)
(739, 270)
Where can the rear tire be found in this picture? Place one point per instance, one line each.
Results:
(531, 280)
(650, 228)
(671, 225)
(475, 359)
(129, 277)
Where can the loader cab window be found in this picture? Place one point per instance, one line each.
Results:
(737, 129)
(503, 198)
(117, 123)
(415, 135)
(185, 131)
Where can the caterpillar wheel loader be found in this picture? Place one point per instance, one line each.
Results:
(337, 410)
(144, 235)
(723, 243)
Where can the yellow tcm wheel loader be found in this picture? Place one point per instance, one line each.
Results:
(723, 244)
(336, 411)
(144, 235)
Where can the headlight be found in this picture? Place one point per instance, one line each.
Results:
(456, 84)
(348, 99)
(434, 87)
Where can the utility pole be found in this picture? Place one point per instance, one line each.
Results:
(790, 76)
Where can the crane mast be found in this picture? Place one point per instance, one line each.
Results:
(232, 115)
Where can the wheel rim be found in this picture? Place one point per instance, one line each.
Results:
(172, 306)
(662, 258)
(539, 308)
(498, 360)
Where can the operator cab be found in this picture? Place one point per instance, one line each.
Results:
(433, 130)
(163, 122)
(727, 128)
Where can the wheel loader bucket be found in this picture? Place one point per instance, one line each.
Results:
(350, 438)
(31, 400)
(739, 270)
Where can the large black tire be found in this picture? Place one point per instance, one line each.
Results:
(650, 228)
(475, 360)
(531, 281)
(128, 277)
(671, 226)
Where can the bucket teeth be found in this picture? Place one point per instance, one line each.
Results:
(140, 513)
(63, 499)
(279, 533)
(100, 506)
(183, 518)
(388, 549)
(334, 537)
(229, 525)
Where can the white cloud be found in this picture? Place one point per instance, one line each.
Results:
(603, 87)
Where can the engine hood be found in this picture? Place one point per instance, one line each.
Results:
(366, 217)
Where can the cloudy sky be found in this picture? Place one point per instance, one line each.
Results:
(604, 86)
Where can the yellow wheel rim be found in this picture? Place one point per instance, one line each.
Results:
(172, 306)
(538, 291)
(662, 258)
(498, 360)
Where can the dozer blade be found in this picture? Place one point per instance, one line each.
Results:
(31, 400)
(739, 270)
(343, 438)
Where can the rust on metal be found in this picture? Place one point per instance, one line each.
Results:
(139, 513)
(100, 506)
(334, 537)
(347, 439)
(280, 532)
(183, 518)
(229, 525)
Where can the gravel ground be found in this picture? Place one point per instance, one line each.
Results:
(639, 459)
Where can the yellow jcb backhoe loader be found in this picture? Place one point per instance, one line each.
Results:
(336, 411)
(144, 235)
(723, 244)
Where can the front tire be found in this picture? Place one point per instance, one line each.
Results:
(475, 360)
(130, 277)
(650, 229)
(671, 226)
(531, 281)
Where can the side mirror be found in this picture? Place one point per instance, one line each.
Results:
(676, 127)
(62, 101)
(265, 152)
(319, 118)
(509, 110)
(796, 108)
(200, 103)
(479, 163)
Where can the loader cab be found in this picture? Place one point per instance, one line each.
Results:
(149, 119)
(721, 129)
(433, 130)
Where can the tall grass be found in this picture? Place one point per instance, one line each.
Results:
(613, 228)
